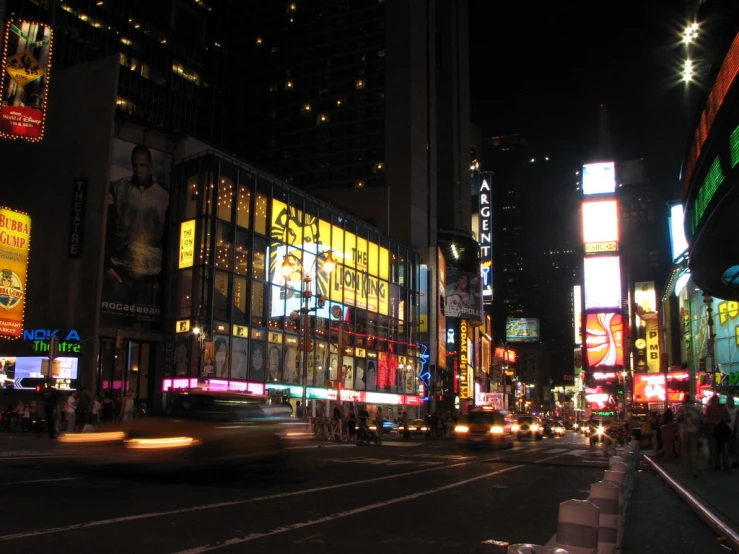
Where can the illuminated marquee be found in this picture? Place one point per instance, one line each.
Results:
(187, 244)
(15, 244)
(464, 384)
(604, 339)
(26, 63)
(360, 278)
(486, 240)
(68, 342)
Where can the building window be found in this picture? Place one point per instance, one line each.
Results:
(257, 303)
(225, 199)
(241, 253)
(307, 108)
(360, 84)
(243, 208)
(224, 246)
(260, 215)
(220, 295)
(323, 118)
(186, 73)
(239, 300)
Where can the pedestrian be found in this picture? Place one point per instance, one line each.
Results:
(51, 399)
(380, 424)
(690, 419)
(71, 412)
(733, 412)
(404, 424)
(351, 424)
(715, 414)
(128, 406)
(299, 410)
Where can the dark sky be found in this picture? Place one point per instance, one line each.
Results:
(542, 69)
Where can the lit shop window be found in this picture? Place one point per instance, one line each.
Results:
(224, 247)
(225, 199)
(260, 215)
(186, 73)
(243, 208)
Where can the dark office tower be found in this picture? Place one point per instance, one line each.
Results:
(172, 58)
(643, 233)
(365, 103)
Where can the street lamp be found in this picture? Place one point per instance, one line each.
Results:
(306, 294)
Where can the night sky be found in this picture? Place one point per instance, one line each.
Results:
(542, 69)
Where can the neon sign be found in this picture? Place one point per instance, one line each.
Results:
(65, 343)
(486, 239)
(425, 373)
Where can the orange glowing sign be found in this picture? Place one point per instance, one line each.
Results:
(604, 339)
(650, 387)
(508, 355)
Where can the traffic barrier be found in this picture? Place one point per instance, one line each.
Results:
(619, 478)
(618, 463)
(605, 495)
(535, 549)
(577, 528)
(619, 466)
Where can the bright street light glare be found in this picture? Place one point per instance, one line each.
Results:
(688, 71)
(691, 33)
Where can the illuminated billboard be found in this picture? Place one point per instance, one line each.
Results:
(360, 276)
(519, 329)
(602, 282)
(485, 237)
(645, 296)
(600, 222)
(604, 339)
(599, 178)
(463, 294)
(651, 387)
(678, 242)
(15, 244)
(26, 63)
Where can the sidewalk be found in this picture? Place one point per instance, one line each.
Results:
(26, 445)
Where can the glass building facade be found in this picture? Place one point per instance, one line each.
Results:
(254, 305)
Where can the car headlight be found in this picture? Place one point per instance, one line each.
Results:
(163, 443)
(515, 427)
(423, 428)
(461, 429)
(601, 429)
(535, 427)
(87, 438)
(496, 429)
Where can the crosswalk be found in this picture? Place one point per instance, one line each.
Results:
(578, 452)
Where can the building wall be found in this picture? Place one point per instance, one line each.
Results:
(64, 292)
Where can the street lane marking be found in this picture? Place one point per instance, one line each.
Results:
(124, 519)
(340, 515)
(325, 519)
(40, 481)
(555, 450)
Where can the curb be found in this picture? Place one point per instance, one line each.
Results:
(705, 513)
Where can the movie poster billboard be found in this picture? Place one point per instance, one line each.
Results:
(138, 200)
(522, 329)
(26, 63)
(463, 294)
(15, 244)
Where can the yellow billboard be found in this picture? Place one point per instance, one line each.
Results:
(15, 243)
(360, 277)
(187, 244)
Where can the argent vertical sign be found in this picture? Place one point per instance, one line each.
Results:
(77, 218)
(486, 238)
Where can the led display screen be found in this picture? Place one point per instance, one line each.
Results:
(600, 221)
(599, 178)
(604, 339)
(678, 242)
(577, 305)
(31, 367)
(602, 282)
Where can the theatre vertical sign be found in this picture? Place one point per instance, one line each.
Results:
(486, 237)
(15, 243)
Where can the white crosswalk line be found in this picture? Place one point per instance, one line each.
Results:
(579, 452)
(554, 451)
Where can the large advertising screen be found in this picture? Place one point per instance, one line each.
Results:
(577, 313)
(15, 243)
(604, 339)
(602, 282)
(678, 242)
(24, 83)
(599, 178)
(360, 276)
(138, 200)
(522, 329)
(600, 221)
(463, 294)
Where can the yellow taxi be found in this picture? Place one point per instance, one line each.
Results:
(484, 427)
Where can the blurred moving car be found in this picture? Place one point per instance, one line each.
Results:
(559, 429)
(484, 427)
(201, 428)
(388, 427)
(417, 427)
(528, 426)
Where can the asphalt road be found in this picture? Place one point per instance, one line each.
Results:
(399, 497)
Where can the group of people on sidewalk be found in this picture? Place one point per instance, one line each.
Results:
(710, 433)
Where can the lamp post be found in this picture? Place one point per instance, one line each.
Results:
(305, 295)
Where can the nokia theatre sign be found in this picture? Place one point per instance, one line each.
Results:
(485, 238)
(66, 343)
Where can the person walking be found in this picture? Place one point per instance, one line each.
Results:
(690, 419)
(51, 399)
(380, 423)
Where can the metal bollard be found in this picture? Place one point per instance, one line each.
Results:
(605, 495)
(535, 549)
(577, 528)
(618, 466)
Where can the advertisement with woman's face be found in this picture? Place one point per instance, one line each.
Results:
(348, 373)
(360, 382)
(290, 373)
(371, 375)
(256, 364)
(221, 357)
(318, 370)
(274, 363)
(239, 358)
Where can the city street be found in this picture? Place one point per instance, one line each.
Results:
(399, 496)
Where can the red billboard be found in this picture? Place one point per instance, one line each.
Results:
(26, 63)
(604, 339)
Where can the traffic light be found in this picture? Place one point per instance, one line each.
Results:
(118, 341)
